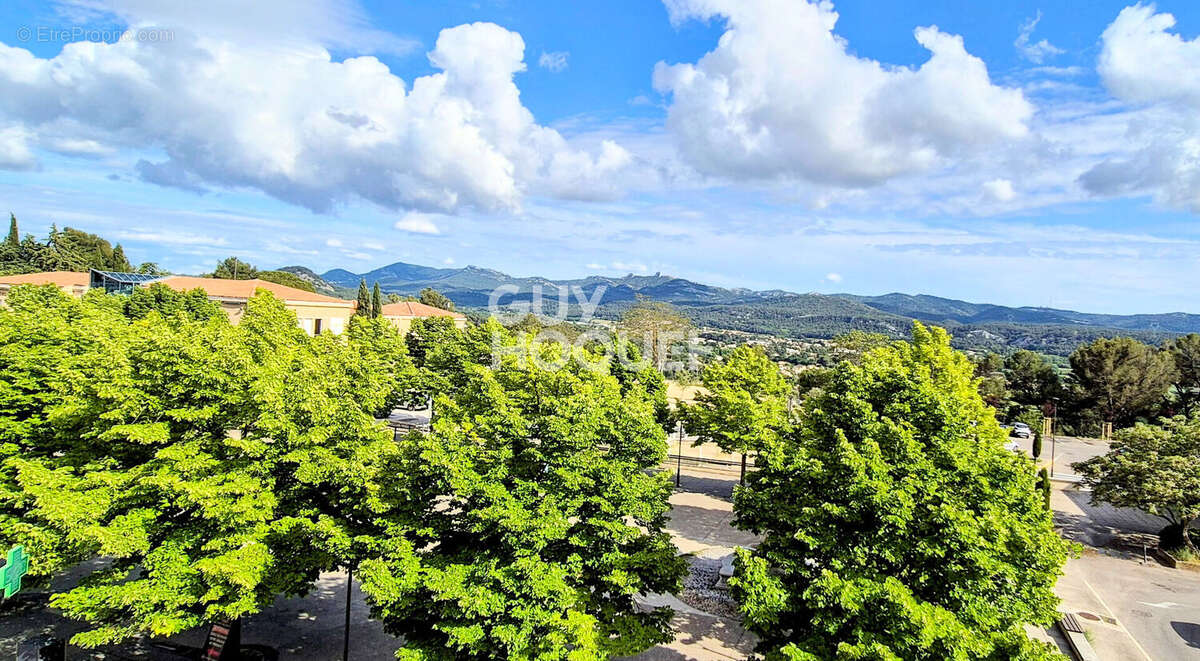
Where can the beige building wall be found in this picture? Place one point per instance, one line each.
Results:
(71, 290)
(312, 317)
(403, 324)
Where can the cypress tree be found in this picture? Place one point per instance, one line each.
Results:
(1037, 443)
(376, 302)
(14, 238)
(1044, 486)
(364, 299)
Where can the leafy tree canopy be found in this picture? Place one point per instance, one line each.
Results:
(232, 268)
(1122, 378)
(1031, 380)
(214, 467)
(287, 279)
(1155, 468)
(743, 406)
(433, 297)
(66, 250)
(536, 519)
(1185, 352)
(895, 525)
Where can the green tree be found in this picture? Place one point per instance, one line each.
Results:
(989, 364)
(853, 345)
(151, 268)
(287, 279)
(1044, 486)
(232, 268)
(363, 308)
(431, 296)
(1155, 468)
(536, 519)
(118, 262)
(377, 341)
(13, 240)
(743, 406)
(1031, 380)
(1122, 378)
(170, 304)
(894, 523)
(214, 467)
(1185, 351)
(656, 327)
(376, 301)
(75, 250)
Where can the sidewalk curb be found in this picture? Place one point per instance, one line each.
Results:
(1080, 647)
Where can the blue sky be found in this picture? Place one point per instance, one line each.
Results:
(1025, 153)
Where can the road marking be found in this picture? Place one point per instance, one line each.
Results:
(1119, 624)
(1161, 604)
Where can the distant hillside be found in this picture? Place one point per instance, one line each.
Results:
(977, 326)
(944, 310)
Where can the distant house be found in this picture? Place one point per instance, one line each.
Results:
(316, 313)
(74, 283)
(402, 314)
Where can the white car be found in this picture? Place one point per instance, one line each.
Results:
(1021, 430)
(1012, 446)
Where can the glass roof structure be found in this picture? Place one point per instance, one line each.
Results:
(120, 283)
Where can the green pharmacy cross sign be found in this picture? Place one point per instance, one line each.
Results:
(13, 570)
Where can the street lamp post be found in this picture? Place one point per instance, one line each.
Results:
(346, 634)
(679, 457)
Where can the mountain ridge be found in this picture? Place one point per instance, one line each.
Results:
(983, 326)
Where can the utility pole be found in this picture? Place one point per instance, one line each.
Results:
(679, 457)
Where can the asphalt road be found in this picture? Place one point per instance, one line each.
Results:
(1139, 612)
(1064, 451)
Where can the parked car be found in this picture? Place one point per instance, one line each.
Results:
(1021, 430)
(1012, 446)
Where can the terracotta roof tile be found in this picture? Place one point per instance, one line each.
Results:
(59, 278)
(220, 288)
(414, 309)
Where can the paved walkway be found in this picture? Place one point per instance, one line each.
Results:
(700, 526)
(1100, 524)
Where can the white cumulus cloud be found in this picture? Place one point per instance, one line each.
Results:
(417, 223)
(229, 106)
(781, 96)
(1149, 67)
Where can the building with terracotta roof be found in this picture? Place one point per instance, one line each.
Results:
(403, 313)
(316, 312)
(74, 283)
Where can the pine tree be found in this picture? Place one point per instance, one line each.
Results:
(364, 300)
(14, 238)
(376, 302)
(118, 261)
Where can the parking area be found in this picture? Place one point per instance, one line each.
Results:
(1059, 452)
